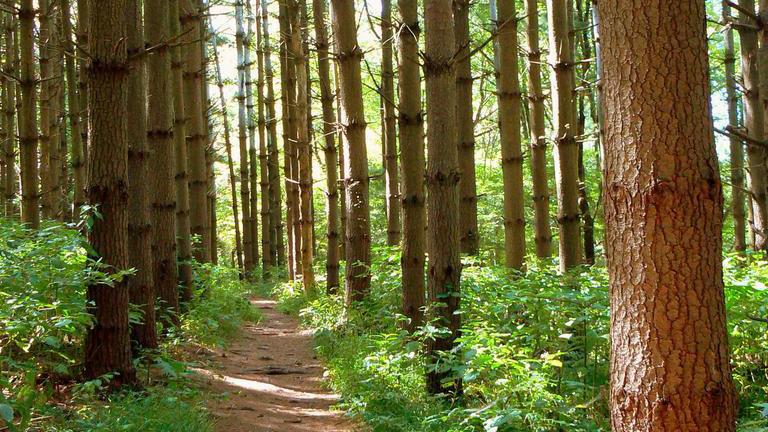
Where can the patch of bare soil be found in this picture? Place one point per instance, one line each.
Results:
(274, 381)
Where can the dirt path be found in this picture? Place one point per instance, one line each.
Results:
(274, 381)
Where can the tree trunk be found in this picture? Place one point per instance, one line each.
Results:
(107, 344)
(303, 148)
(737, 151)
(566, 149)
(162, 164)
(754, 123)
(191, 22)
(183, 224)
(342, 166)
(28, 138)
(511, 149)
(443, 245)
(266, 229)
(74, 109)
(412, 147)
(243, 125)
(358, 230)
(391, 178)
(536, 98)
(468, 231)
(83, 12)
(329, 135)
(664, 207)
(141, 284)
(46, 114)
(9, 113)
(253, 156)
(287, 97)
(588, 222)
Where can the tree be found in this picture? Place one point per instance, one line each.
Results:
(663, 220)
(411, 121)
(243, 123)
(511, 149)
(141, 284)
(389, 126)
(266, 195)
(566, 149)
(107, 344)
(329, 138)
(443, 246)
(162, 164)
(75, 110)
(28, 140)
(9, 115)
(358, 229)
(253, 157)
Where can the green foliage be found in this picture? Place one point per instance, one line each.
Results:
(533, 354)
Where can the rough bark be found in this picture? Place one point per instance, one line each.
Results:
(669, 352)
(181, 172)
(470, 240)
(140, 285)
(442, 179)
(107, 343)
(329, 138)
(389, 127)
(162, 164)
(287, 96)
(511, 149)
(46, 112)
(411, 122)
(28, 132)
(358, 229)
(566, 147)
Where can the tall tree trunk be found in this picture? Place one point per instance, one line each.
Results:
(391, 178)
(276, 239)
(412, 147)
(140, 284)
(191, 22)
(243, 124)
(737, 151)
(253, 156)
(566, 149)
(181, 172)
(75, 109)
(582, 27)
(303, 148)
(342, 166)
(536, 98)
(230, 161)
(358, 230)
(664, 208)
(46, 112)
(83, 12)
(287, 96)
(162, 165)
(266, 229)
(28, 138)
(443, 245)
(9, 113)
(468, 231)
(210, 147)
(107, 343)
(329, 136)
(754, 123)
(511, 148)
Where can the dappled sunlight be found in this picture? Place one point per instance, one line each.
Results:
(272, 389)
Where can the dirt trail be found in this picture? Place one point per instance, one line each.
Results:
(274, 381)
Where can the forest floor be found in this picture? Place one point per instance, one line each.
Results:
(272, 379)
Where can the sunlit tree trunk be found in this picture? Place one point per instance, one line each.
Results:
(253, 156)
(28, 138)
(140, 284)
(243, 123)
(265, 198)
(107, 343)
(181, 173)
(566, 148)
(287, 96)
(74, 111)
(342, 166)
(391, 174)
(664, 214)
(511, 148)
(83, 8)
(442, 179)
(358, 229)
(162, 163)
(581, 97)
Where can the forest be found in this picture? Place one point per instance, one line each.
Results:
(384, 215)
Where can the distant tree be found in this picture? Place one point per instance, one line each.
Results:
(389, 127)
(28, 131)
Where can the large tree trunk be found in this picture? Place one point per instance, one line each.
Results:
(9, 114)
(329, 137)
(303, 148)
(536, 98)
(511, 148)
(276, 240)
(28, 139)
(83, 12)
(141, 284)
(358, 230)
(162, 165)
(107, 344)
(266, 229)
(46, 112)
(468, 231)
(566, 149)
(253, 160)
(183, 224)
(243, 123)
(391, 178)
(287, 98)
(736, 147)
(412, 147)
(443, 246)
(669, 352)
(191, 22)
